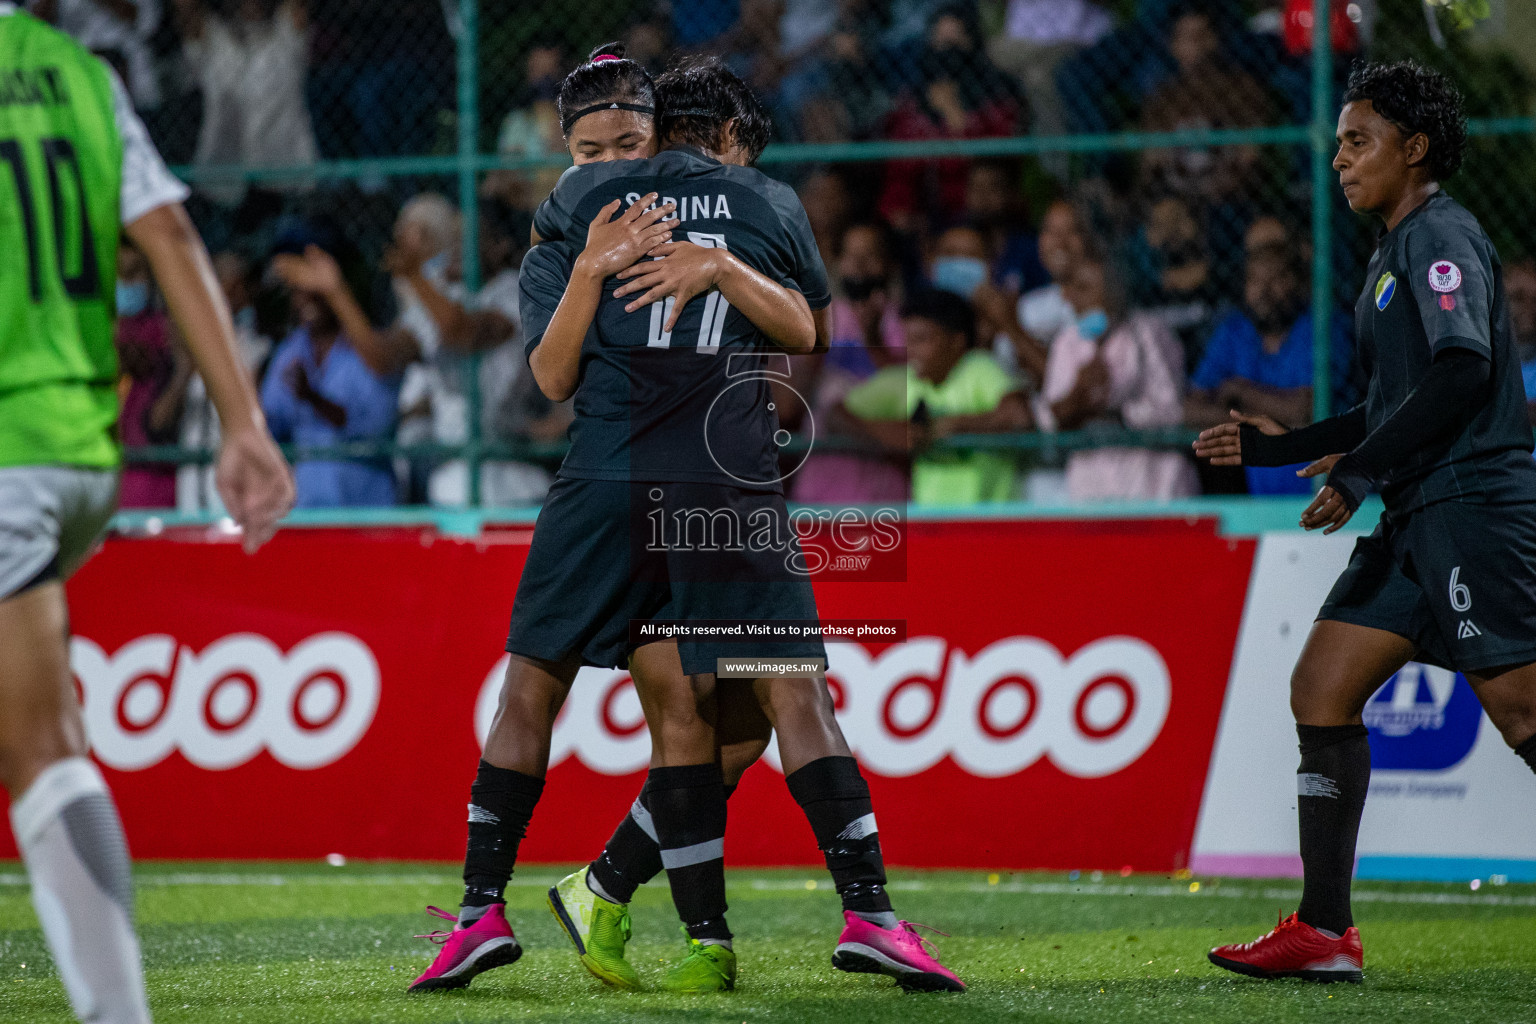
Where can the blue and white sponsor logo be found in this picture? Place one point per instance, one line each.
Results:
(1423, 719)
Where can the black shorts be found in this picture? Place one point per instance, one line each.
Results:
(1457, 579)
(607, 552)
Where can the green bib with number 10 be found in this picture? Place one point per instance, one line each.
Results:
(61, 165)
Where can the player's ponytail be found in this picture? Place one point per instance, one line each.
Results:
(608, 80)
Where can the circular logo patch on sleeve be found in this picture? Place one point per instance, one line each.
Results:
(1444, 276)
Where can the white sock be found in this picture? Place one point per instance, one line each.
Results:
(70, 836)
(597, 889)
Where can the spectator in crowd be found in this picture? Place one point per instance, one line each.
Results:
(195, 490)
(957, 93)
(1209, 90)
(866, 337)
(1259, 360)
(948, 387)
(119, 30)
(839, 91)
(153, 382)
(251, 58)
(531, 129)
(1120, 369)
(960, 263)
(1176, 278)
(994, 202)
(1063, 245)
(381, 72)
(1037, 36)
(753, 49)
(828, 203)
(319, 390)
(1520, 292)
(442, 326)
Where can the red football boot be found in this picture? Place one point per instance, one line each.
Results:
(1296, 950)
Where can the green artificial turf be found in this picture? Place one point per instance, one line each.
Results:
(294, 944)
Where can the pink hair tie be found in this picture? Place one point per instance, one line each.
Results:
(605, 56)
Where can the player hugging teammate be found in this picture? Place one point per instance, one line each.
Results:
(664, 421)
(1449, 575)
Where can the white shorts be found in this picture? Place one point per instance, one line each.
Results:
(50, 519)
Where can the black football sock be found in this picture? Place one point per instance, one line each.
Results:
(632, 856)
(500, 803)
(1331, 784)
(687, 805)
(836, 802)
(1527, 752)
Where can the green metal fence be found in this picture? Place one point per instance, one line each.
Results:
(455, 150)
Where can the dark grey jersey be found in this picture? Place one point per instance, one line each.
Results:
(1435, 283)
(692, 404)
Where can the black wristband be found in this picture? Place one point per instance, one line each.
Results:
(1351, 480)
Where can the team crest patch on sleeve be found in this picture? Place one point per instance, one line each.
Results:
(1386, 287)
(1444, 276)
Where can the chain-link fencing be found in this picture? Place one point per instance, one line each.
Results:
(1188, 141)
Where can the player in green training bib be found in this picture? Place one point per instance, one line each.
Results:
(76, 167)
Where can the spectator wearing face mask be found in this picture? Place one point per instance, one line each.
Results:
(960, 264)
(1063, 246)
(1259, 361)
(1176, 277)
(948, 387)
(867, 336)
(153, 384)
(957, 93)
(1118, 369)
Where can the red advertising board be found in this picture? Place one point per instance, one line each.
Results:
(1054, 705)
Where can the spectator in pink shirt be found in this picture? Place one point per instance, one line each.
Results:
(1122, 369)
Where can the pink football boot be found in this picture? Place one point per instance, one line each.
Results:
(865, 948)
(466, 952)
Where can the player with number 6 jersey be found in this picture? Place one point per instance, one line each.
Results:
(76, 166)
(1449, 575)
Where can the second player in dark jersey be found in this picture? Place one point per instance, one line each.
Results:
(1449, 575)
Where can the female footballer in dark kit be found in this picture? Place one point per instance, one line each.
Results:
(1449, 575)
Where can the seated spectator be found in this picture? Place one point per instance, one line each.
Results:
(1118, 369)
(994, 202)
(1175, 274)
(1209, 90)
(948, 387)
(442, 325)
(195, 490)
(319, 390)
(866, 337)
(251, 63)
(1037, 36)
(1063, 246)
(840, 91)
(957, 93)
(531, 129)
(1259, 361)
(828, 203)
(1520, 292)
(153, 383)
(120, 30)
(959, 263)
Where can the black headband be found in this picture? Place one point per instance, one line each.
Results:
(639, 108)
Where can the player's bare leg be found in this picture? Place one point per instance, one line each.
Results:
(1340, 667)
(64, 820)
(1509, 697)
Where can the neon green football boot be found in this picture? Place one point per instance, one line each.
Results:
(706, 968)
(598, 928)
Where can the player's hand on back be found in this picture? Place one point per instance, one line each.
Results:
(687, 271)
(1223, 444)
(254, 482)
(616, 243)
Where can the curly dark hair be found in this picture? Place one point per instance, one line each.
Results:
(1416, 99)
(698, 95)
